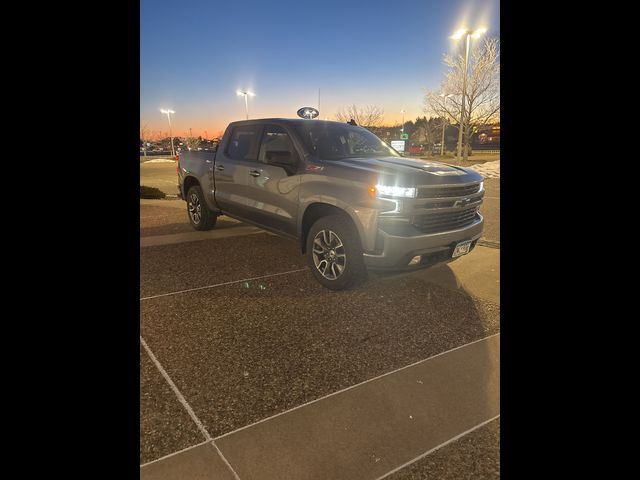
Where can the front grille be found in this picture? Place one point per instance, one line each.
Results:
(442, 222)
(448, 191)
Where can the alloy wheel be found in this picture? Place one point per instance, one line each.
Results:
(195, 208)
(329, 255)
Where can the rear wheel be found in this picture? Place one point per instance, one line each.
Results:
(334, 253)
(200, 216)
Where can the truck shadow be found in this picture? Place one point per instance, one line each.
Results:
(326, 341)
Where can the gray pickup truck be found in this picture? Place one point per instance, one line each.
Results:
(350, 200)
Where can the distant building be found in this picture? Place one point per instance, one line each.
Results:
(489, 135)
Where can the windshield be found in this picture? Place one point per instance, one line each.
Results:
(333, 141)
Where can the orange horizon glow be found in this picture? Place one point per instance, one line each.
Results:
(180, 126)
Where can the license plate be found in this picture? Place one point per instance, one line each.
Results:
(461, 249)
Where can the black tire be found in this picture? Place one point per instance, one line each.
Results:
(347, 247)
(200, 217)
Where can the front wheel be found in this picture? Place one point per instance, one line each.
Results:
(200, 216)
(334, 253)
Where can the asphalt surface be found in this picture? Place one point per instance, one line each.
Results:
(375, 427)
(490, 210)
(165, 220)
(472, 457)
(241, 349)
(243, 352)
(166, 425)
(160, 175)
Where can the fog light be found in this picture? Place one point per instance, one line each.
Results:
(415, 260)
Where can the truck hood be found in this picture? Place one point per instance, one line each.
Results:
(408, 171)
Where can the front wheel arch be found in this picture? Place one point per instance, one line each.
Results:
(313, 213)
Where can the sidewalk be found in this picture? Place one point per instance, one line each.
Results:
(367, 431)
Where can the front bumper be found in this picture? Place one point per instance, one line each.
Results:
(397, 251)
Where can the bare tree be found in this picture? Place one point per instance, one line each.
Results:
(192, 143)
(427, 131)
(144, 135)
(370, 116)
(483, 90)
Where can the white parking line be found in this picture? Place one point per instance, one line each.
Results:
(221, 284)
(175, 453)
(181, 398)
(187, 407)
(452, 439)
(354, 386)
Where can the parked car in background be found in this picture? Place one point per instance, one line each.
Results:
(416, 150)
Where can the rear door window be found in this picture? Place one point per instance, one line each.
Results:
(244, 143)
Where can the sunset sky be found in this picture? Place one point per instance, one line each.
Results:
(195, 54)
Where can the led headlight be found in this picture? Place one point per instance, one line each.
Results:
(393, 191)
(481, 186)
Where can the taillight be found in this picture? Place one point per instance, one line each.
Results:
(177, 157)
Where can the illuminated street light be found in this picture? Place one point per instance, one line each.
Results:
(469, 34)
(168, 113)
(444, 124)
(245, 94)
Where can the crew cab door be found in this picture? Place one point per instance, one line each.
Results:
(272, 186)
(232, 166)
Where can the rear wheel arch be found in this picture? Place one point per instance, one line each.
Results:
(189, 182)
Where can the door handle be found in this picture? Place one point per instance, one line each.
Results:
(219, 167)
(254, 173)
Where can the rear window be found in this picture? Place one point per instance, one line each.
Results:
(244, 143)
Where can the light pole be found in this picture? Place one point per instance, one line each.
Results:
(245, 94)
(168, 113)
(402, 112)
(468, 34)
(444, 123)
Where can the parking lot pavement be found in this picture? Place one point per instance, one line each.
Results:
(372, 428)
(477, 274)
(245, 332)
(245, 351)
(159, 219)
(490, 210)
(184, 266)
(165, 217)
(201, 462)
(474, 456)
(160, 175)
(165, 426)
